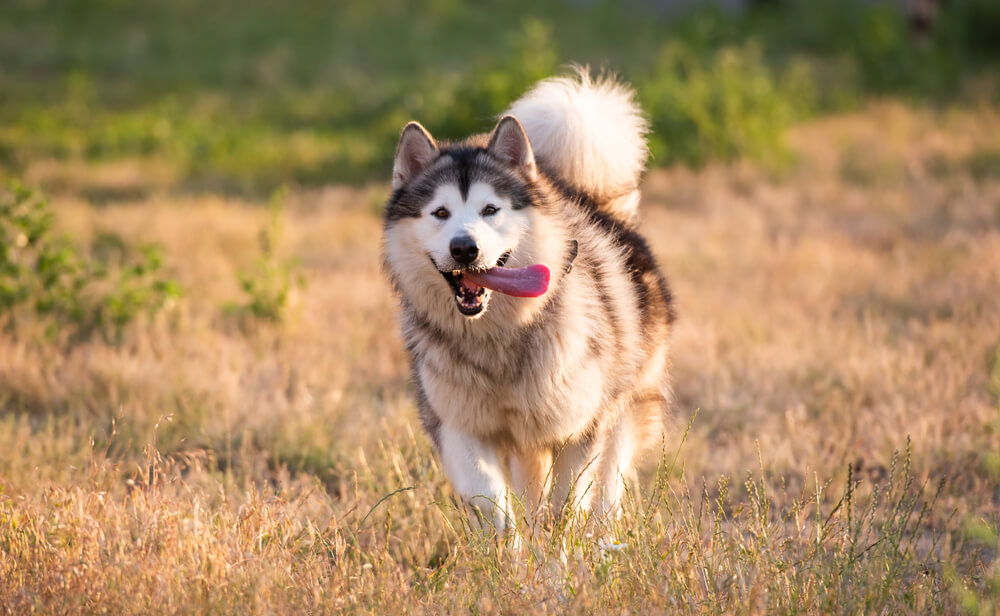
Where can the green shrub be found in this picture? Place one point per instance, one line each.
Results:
(45, 278)
(268, 282)
(727, 105)
(314, 92)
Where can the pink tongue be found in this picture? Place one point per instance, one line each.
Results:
(530, 281)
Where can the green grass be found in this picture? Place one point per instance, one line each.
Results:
(246, 97)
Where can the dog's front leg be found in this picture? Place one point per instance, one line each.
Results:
(474, 469)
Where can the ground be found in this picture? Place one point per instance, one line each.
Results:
(837, 419)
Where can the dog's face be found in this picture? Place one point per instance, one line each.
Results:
(475, 231)
(456, 210)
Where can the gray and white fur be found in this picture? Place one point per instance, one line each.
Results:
(555, 395)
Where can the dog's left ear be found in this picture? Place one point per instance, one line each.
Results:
(510, 144)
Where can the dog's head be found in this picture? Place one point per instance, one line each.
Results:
(458, 213)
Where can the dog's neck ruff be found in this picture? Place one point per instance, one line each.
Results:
(574, 249)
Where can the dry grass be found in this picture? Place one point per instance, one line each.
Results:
(827, 317)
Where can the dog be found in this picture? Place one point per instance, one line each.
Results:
(535, 315)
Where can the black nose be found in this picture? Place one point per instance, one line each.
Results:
(464, 250)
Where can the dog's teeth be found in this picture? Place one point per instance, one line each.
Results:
(456, 272)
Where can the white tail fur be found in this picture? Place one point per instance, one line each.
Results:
(591, 133)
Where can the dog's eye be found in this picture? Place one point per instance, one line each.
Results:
(441, 213)
(489, 210)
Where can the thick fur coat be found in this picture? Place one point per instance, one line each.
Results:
(547, 397)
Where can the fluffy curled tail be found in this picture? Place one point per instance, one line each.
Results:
(591, 134)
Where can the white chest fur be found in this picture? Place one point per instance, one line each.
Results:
(540, 392)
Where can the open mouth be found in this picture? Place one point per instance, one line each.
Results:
(470, 298)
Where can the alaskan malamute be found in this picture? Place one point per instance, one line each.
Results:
(535, 315)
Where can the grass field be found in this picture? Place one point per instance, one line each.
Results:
(205, 404)
(837, 358)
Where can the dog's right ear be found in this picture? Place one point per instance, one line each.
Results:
(415, 151)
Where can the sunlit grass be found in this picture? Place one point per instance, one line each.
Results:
(837, 409)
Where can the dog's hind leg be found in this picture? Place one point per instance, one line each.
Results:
(590, 474)
(473, 466)
(614, 466)
(530, 471)
(574, 474)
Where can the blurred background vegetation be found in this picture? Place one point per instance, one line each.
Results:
(199, 359)
(244, 96)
